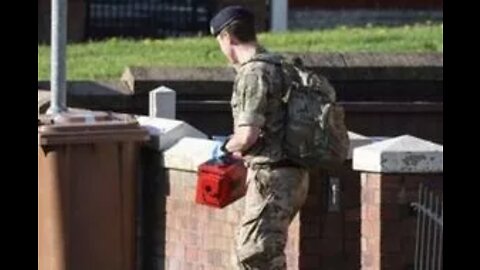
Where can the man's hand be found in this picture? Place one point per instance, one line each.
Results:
(243, 138)
(219, 150)
(237, 155)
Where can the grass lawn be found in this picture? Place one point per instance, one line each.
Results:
(107, 59)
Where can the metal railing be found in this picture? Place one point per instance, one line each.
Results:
(429, 235)
(147, 18)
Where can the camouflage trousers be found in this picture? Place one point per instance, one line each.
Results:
(273, 198)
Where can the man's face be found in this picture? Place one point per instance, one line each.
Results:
(225, 42)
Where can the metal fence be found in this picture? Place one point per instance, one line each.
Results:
(147, 18)
(429, 235)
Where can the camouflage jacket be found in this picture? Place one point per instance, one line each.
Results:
(256, 101)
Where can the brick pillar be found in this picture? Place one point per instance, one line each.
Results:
(330, 227)
(391, 172)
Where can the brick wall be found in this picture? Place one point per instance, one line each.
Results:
(388, 222)
(329, 238)
(373, 4)
(180, 234)
(373, 226)
(318, 18)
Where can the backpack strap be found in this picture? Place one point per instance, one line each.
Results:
(269, 58)
(279, 62)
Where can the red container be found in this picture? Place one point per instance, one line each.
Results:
(220, 182)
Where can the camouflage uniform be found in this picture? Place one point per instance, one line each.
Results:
(274, 194)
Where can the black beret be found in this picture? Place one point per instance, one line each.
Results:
(226, 16)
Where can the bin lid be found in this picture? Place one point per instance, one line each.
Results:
(78, 126)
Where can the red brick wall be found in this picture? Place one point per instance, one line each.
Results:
(373, 223)
(352, 209)
(388, 225)
(191, 236)
(377, 4)
(179, 233)
(331, 239)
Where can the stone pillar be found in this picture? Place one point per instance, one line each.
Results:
(391, 172)
(162, 103)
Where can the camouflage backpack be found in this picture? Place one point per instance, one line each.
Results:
(315, 131)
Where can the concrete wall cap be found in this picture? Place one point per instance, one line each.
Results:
(188, 153)
(403, 154)
(356, 140)
(166, 132)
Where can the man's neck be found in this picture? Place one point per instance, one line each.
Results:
(245, 52)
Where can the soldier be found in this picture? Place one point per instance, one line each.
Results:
(277, 187)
